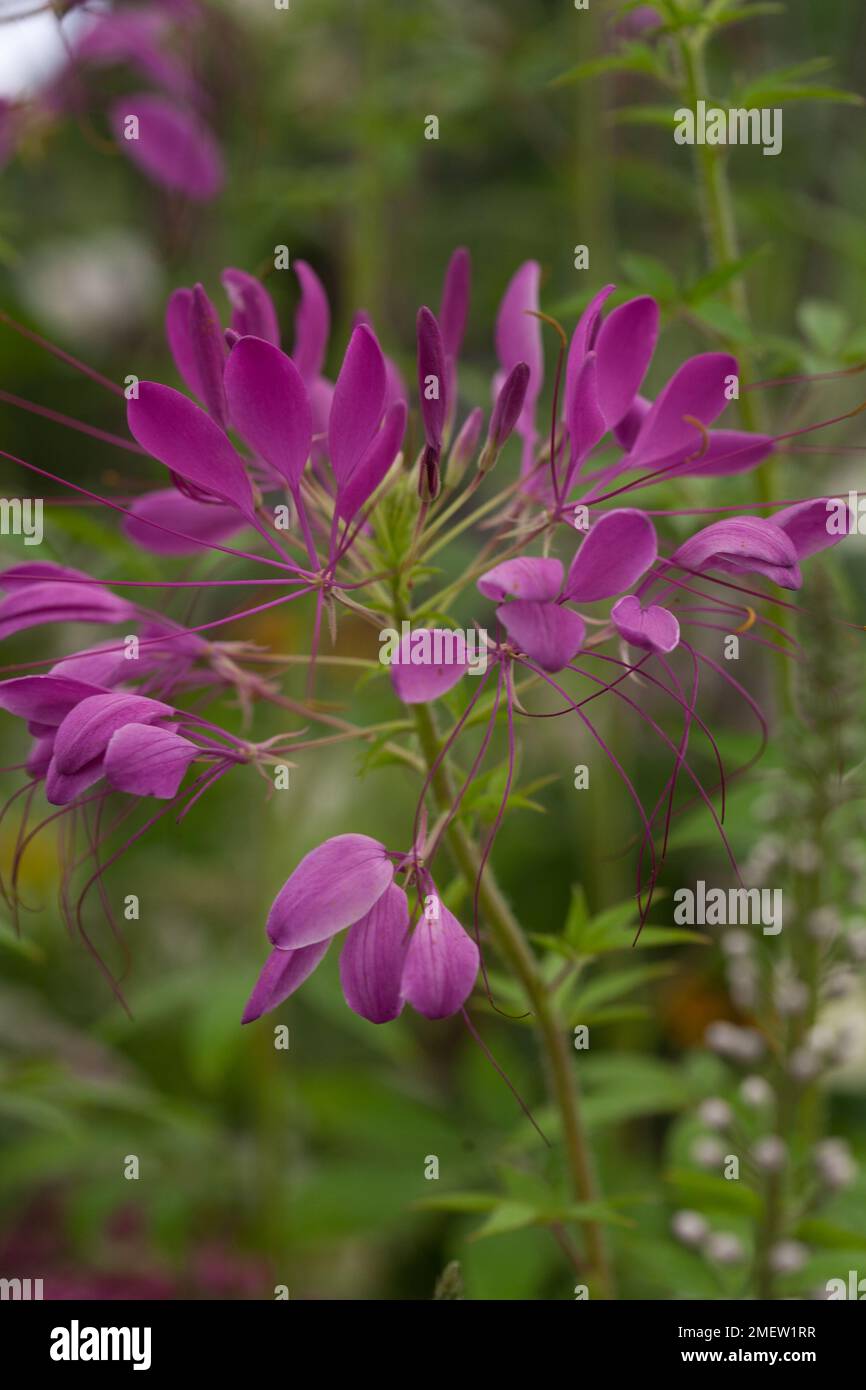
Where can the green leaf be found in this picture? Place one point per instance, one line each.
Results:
(746, 12)
(578, 915)
(710, 1193)
(671, 936)
(606, 987)
(720, 277)
(650, 275)
(19, 945)
(829, 1236)
(513, 1215)
(636, 57)
(458, 1201)
(644, 115)
(626, 1085)
(824, 324)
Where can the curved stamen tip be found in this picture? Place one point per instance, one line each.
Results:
(750, 620)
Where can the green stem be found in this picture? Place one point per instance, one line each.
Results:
(720, 230)
(514, 947)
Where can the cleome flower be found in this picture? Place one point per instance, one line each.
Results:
(390, 956)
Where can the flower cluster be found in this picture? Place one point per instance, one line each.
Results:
(304, 478)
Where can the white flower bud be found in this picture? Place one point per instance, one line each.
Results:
(689, 1227)
(788, 1256)
(770, 1154)
(834, 1164)
(756, 1091)
(715, 1113)
(740, 1044)
(724, 1248)
(708, 1152)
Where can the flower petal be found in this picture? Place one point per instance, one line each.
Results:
(373, 467)
(625, 345)
(62, 788)
(583, 415)
(807, 524)
(529, 576)
(518, 332)
(172, 145)
(209, 349)
(654, 628)
(356, 407)
(174, 430)
(697, 390)
(166, 522)
(620, 547)
(373, 956)
(148, 761)
(428, 662)
(84, 734)
(101, 667)
(283, 973)
(454, 307)
(269, 407)
(743, 545)
(441, 965)
(547, 632)
(253, 312)
(584, 338)
(727, 452)
(312, 323)
(30, 605)
(332, 887)
(44, 699)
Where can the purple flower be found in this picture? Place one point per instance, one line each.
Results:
(82, 738)
(620, 547)
(37, 594)
(348, 882)
(170, 143)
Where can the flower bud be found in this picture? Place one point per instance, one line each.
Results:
(689, 1227)
(724, 1248)
(834, 1164)
(788, 1256)
(506, 413)
(770, 1154)
(464, 446)
(756, 1091)
(715, 1113)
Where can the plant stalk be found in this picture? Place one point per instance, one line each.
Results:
(515, 948)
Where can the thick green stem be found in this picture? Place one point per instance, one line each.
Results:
(514, 947)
